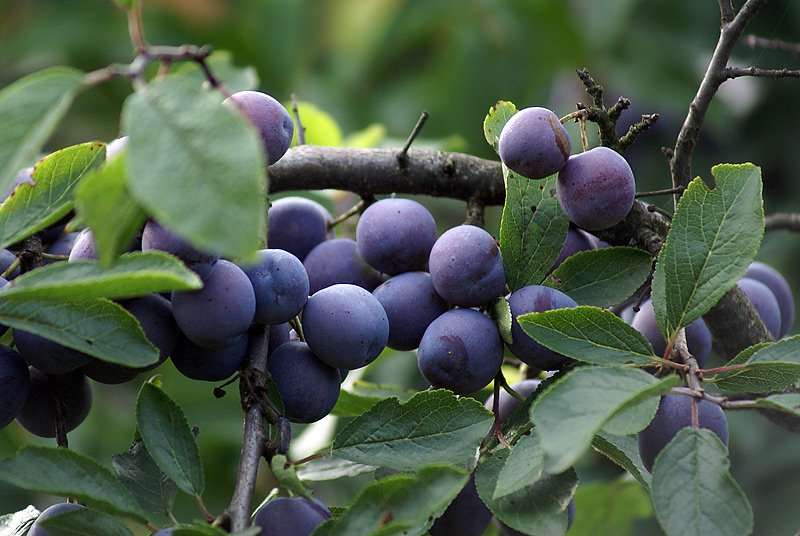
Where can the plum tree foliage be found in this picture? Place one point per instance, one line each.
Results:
(177, 216)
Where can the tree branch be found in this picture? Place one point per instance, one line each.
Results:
(681, 161)
(753, 41)
(736, 72)
(254, 435)
(790, 222)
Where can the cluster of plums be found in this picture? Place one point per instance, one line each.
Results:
(595, 188)
(396, 285)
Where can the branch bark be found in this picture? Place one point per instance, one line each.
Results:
(681, 161)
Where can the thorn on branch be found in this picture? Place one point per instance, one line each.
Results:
(616, 110)
(668, 191)
(298, 126)
(402, 155)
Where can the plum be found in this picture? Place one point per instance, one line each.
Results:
(534, 143)
(466, 267)
(270, 117)
(596, 188)
(461, 351)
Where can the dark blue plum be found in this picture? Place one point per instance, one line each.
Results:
(7, 258)
(280, 283)
(396, 236)
(675, 413)
(46, 355)
(220, 311)
(38, 415)
(507, 403)
(536, 299)
(461, 351)
(466, 267)
(467, 515)
(209, 364)
(15, 382)
(337, 261)
(765, 303)
(575, 242)
(297, 225)
(534, 143)
(308, 387)
(779, 287)
(411, 304)
(596, 188)
(54, 510)
(3, 327)
(290, 516)
(156, 237)
(345, 326)
(698, 337)
(270, 117)
(278, 334)
(165, 531)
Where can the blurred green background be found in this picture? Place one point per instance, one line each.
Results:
(382, 62)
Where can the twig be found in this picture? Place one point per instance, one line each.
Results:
(298, 126)
(669, 191)
(402, 155)
(789, 222)
(476, 212)
(726, 11)
(61, 411)
(254, 434)
(636, 130)
(753, 41)
(681, 161)
(352, 211)
(775, 74)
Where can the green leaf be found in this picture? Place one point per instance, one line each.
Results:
(61, 471)
(624, 451)
(136, 274)
(152, 489)
(693, 492)
(767, 368)
(570, 413)
(18, 523)
(714, 236)
(30, 109)
(610, 508)
(363, 395)
(532, 229)
(287, 477)
(33, 208)
(788, 403)
(432, 427)
(209, 187)
(498, 116)
(539, 508)
(522, 468)
(84, 522)
(168, 439)
(404, 504)
(588, 334)
(98, 327)
(501, 314)
(104, 203)
(331, 468)
(221, 64)
(602, 277)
